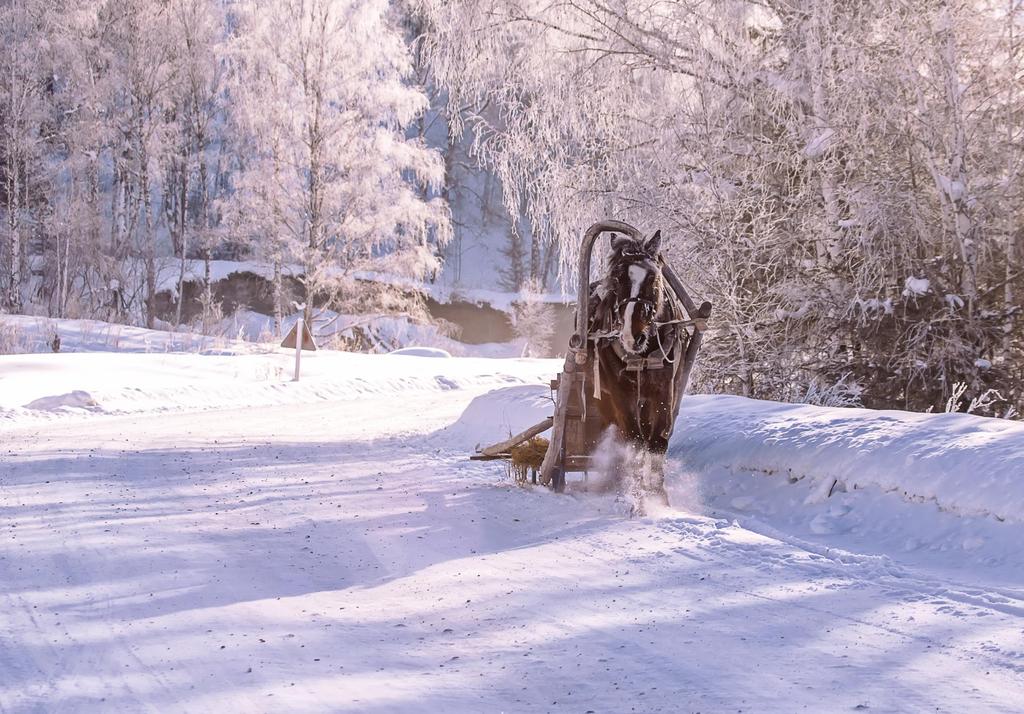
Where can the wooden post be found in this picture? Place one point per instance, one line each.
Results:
(552, 471)
(683, 378)
(300, 333)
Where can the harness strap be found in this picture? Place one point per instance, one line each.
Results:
(634, 363)
(700, 323)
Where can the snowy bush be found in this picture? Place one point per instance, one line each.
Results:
(840, 394)
(12, 340)
(988, 403)
(534, 321)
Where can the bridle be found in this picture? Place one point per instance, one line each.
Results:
(613, 328)
(649, 307)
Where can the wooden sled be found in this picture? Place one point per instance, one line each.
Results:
(576, 425)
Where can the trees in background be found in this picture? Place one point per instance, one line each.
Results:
(322, 101)
(111, 130)
(485, 227)
(196, 156)
(841, 179)
(23, 90)
(139, 134)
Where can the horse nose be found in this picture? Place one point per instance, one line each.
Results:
(634, 344)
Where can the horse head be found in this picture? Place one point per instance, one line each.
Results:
(636, 282)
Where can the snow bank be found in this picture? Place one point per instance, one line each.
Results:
(968, 465)
(499, 414)
(47, 386)
(72, 400)
(499, 300)
(195, 271)
(876, 490)
(420, 352)
(27, 334)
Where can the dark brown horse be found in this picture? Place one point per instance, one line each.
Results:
(638, 341)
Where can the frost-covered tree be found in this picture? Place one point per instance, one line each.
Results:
(139, 39)
(80, 269)
(328, 177)
(534, 319)
(194, 153)
(23, 106)
(834, 176)
(486, 230)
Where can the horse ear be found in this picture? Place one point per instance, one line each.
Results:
(653, 245)
(620, 242)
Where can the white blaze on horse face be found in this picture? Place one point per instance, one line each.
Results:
(637, 276)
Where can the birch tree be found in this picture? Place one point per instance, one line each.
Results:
(24, 27)
(323, 94)
(192, 163)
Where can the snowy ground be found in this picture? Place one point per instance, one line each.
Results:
(21, 334)
(199, 533)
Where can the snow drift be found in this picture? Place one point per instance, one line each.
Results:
(76, 399)
(497, 415)
(966, 464)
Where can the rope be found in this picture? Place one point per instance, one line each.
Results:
(657, 333)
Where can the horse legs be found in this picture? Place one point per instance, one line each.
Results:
(636, 472)
(632, 465)
(619, 459)
(655, 419)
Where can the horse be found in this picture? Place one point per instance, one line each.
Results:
(637, 346)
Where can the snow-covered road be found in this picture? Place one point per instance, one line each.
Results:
(345, 556)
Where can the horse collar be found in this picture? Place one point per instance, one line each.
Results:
(659, 359)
